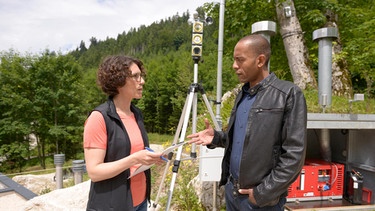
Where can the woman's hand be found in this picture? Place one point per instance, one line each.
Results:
(148, 157)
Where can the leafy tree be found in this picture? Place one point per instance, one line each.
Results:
(15, 104)
(57, 102)
(358, 26)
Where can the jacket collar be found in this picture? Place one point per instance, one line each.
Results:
(263, 84)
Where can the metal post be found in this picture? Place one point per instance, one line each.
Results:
(78, 166)
(193, 153)
(59, 161)
(219, 80)
(265, 28)
(325, 37)
(219, 83)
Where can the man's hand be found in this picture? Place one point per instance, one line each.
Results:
(250, 193)
(203, 137)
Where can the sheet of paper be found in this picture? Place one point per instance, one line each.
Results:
(143, 168)
(140, 169)
(173, 147)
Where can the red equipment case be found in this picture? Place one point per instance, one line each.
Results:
(318, 180)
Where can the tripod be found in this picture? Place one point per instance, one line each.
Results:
(190, 104)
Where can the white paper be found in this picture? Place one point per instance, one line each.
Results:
(143, 168)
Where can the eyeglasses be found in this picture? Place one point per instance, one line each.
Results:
(137, 77)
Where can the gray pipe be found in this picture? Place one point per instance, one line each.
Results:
(78, 166)
(325, 37)
(219, 80)
(59, 162)
(325, 144)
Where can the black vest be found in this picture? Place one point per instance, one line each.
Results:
(114, 193)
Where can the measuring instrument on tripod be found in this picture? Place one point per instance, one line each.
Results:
(190, 105)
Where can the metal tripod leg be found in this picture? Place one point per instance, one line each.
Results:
(216, 124)
(169, 160)
(176, 163)
(191, 101)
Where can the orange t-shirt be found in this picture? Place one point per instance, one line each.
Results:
(95, 136)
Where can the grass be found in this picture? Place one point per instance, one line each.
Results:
(339, 104)
(161, 139)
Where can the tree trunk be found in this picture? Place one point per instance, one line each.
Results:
(341, 81)
(40, 152)
(296, 51)
(369, 82)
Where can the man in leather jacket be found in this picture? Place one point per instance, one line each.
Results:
(265, 143)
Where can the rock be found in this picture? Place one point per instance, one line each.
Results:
(73, 198)
(39, 184)
(204, 191)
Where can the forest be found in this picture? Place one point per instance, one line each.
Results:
(46, 97)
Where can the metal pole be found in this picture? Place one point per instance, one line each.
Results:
(219, 82)
(220, 62)
(193, 153)
(325, 37)
(78, 166)
(59, 161)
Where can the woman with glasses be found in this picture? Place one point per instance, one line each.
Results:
(115, 139)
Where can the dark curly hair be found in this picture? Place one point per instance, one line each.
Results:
(114, 70)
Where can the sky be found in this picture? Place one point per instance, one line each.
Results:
(59, 25)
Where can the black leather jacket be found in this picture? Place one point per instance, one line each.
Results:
(275, 142)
